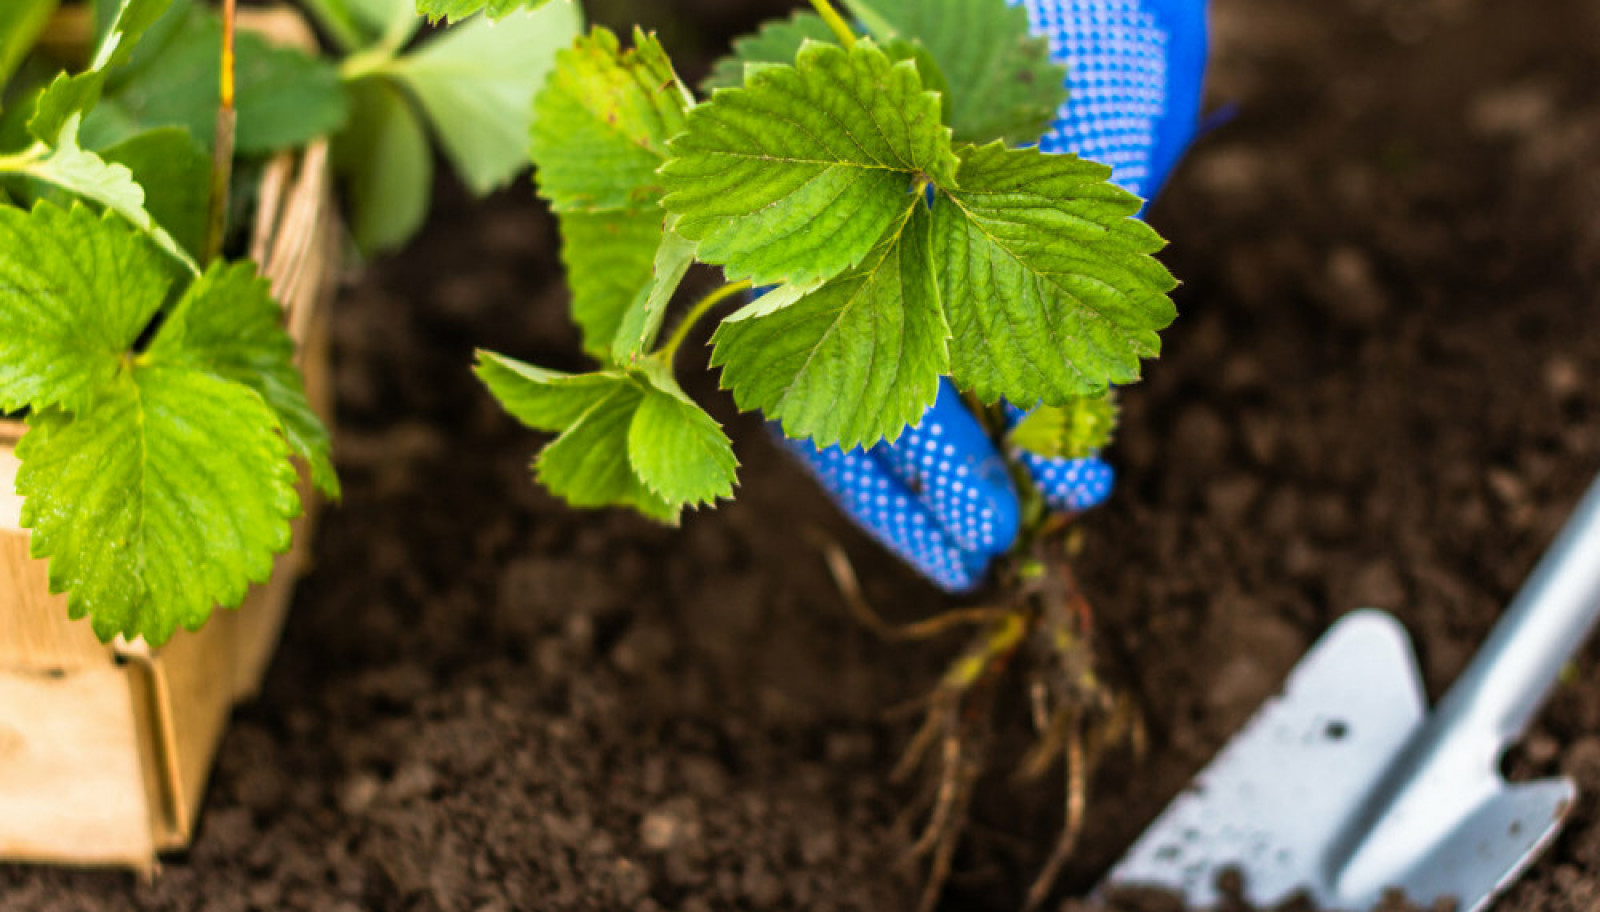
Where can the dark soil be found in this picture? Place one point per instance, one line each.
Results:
(1384, 390)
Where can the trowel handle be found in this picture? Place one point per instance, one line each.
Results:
(1546, 625)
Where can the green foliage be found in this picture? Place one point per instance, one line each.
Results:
(476, 82)
(1076, 430)
(872, 192)
(19, 27)
(1050, 286)
(1010, 89)
(456, 10)
(285, 97)
(473, 85)
(157, 480)
(856, 360)
(600, 131)
(387, 166)
(798, 175)
(628, 438)
(174, 170)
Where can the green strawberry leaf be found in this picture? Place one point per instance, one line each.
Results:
(456, 10)
(1010, 88)
(157, 483)
(1076, 430)
(628, 439)
(72, 96)
(228, 325)
(608, 257)
(602, 123)
(642, 322)
(777, 42)
(72, 168)
(677, 450)
(285, 97)
(175, 172)
(544, 400)
(1048, 280)
(855, 361)
(169, 497)
(798, 175)
(385, 165)
(477, 82)
(74, 293)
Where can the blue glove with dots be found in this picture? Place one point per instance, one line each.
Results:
(939, 496)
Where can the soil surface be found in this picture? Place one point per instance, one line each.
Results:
(1384, 390)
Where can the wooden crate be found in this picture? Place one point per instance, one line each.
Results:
(105, 749)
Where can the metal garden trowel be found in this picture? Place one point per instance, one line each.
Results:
(1343, 786)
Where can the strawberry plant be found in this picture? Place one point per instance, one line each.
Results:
(147, 357)
(871, 192)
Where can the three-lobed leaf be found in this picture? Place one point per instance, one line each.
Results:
(157, 481)
(629, 438)
(798, 175)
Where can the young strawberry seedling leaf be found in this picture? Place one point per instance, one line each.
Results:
(642, 322)
(386, 164)
(1009, 88)
(600, 132)
(798, 176)
(285, 97)
(476, 82)
(174, 171)
(157, 482)
(70, 96)
(777, 42)
(854, 361)
(1051, 289)
(628, 438)
(1076, 430)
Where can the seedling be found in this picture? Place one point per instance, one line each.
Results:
(154, 374)
(901, 230)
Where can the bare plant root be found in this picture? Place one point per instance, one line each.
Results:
(1077, 718)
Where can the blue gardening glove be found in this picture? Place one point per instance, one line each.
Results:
(939, 497)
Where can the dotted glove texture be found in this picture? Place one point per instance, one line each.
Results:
(939, 496)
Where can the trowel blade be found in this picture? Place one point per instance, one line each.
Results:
(1273, 801)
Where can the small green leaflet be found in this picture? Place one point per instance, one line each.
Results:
(456, 10)
(629, 438)
(285, 97)
(608, 256)
(642, 323)
(1009, 88)
(1049, 281)
(599, 135)
(385, 165)
(174, 171)
(78, 171)
(157, 483)
(602, 122)
(856, 360)
(1076, 430)
(477, 82)
(777, 42)
(797, 176)
(70, 96)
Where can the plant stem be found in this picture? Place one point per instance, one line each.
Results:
(222, 154)
(668, 351)
(22, 162)
(847, 35)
